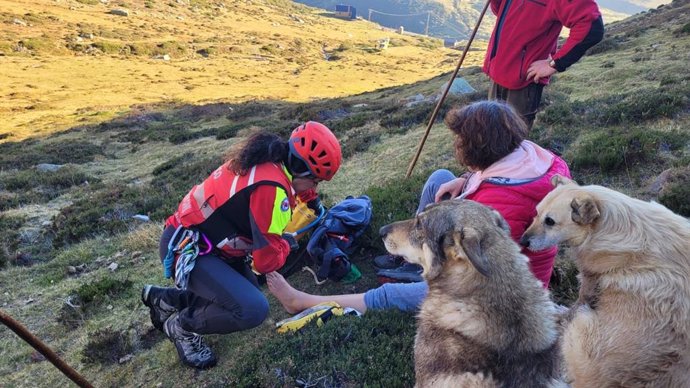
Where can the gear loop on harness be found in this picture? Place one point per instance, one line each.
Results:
(183, 250)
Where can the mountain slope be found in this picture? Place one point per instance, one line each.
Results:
(53, 54)
(456, 19)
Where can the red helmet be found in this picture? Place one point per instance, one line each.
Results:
(317, 147)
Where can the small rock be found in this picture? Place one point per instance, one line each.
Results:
(141, 217)
(2, 54)
(48, 167)
(118, 255)
(165, 57)
(29, 301)
(36, 356)
(46, 223)
(136, 254)
(119, 12)
(112, 267)
(110, 307)
(360, 105)
(659, 182)
(80, 267)
(104, 1)
(124, 359)
(72, 270)
(19, 22)
(86, 35)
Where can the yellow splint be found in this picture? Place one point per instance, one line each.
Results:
(321, 313)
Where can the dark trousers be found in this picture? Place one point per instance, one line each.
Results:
(525, 101)
(220, 298)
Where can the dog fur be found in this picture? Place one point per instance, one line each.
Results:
(486, 321)
(631, 324)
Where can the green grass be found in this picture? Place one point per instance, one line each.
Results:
(619, 126)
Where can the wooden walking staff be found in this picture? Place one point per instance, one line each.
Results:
(27, 336)
(445, 92)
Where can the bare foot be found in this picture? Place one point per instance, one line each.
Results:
(291, 298)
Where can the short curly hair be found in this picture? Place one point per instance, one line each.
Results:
(486, 132)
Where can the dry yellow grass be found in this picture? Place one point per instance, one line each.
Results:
(258, 51)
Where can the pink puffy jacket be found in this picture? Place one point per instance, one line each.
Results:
(517, 204)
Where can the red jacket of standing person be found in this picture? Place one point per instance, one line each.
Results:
(528, 30)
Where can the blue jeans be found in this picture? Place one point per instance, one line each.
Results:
(408, 296)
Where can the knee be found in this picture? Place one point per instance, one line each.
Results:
(252, 314)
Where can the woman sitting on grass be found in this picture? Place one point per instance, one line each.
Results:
(507, 173)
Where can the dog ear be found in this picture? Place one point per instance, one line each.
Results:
(501, 222)
(470, 240)
(560, 180)
(584, 210)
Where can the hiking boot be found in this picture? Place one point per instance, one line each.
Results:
(406, 273)
(158, 309)
(190, 346)
(388, 261)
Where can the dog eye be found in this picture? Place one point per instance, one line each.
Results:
(549, 221)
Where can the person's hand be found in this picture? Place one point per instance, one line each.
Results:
(540, 69)
(451, 189)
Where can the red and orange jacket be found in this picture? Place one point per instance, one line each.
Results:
(242, 214)
(527, 31)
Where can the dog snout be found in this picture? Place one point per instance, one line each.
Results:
(524, 241)
(385, 230)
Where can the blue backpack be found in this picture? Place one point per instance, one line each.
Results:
(333, 239)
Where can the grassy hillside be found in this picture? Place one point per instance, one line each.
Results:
(54, 54)
(620, 117)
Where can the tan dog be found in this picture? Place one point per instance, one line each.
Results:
(486, 321)
(631, 325)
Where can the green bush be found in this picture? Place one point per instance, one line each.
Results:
(9, 239)
(108, 210)
(340, 353)
(108, 47)
(394, 201)
(615, 149)
(564, 284)
(606, 44)
(352, 121)
(90, 294)
(106, 346)
(676, 193)
(645, 104)
(179, 137)
(359, 140)
(250, 109)
(684, 30)
(27, 153)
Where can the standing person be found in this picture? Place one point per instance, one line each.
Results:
(522, 53)
(507, 172)
(240, 211)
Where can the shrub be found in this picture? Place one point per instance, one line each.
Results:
(340, 353)
(90, 294)
(684, 30)
(618, 148)
(250, 109)
(108, 47)
(676, 192)
(644, 105)
(179, 137)
(352, 121)
(606, 44)
(9, 239)
(394, 201)
(106, 346)
(564, 284)
(359, 140)
(28, 153)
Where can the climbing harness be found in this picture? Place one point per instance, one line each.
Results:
(183, 249)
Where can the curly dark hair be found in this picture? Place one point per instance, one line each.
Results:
(259, 147)
(485, 132)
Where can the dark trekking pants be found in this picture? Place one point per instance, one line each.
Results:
(525, 101)
(220, 298)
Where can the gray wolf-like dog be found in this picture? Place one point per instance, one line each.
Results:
(631, 324)
(486, 321)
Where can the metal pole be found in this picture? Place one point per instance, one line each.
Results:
(26, 335)
(445, 93)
